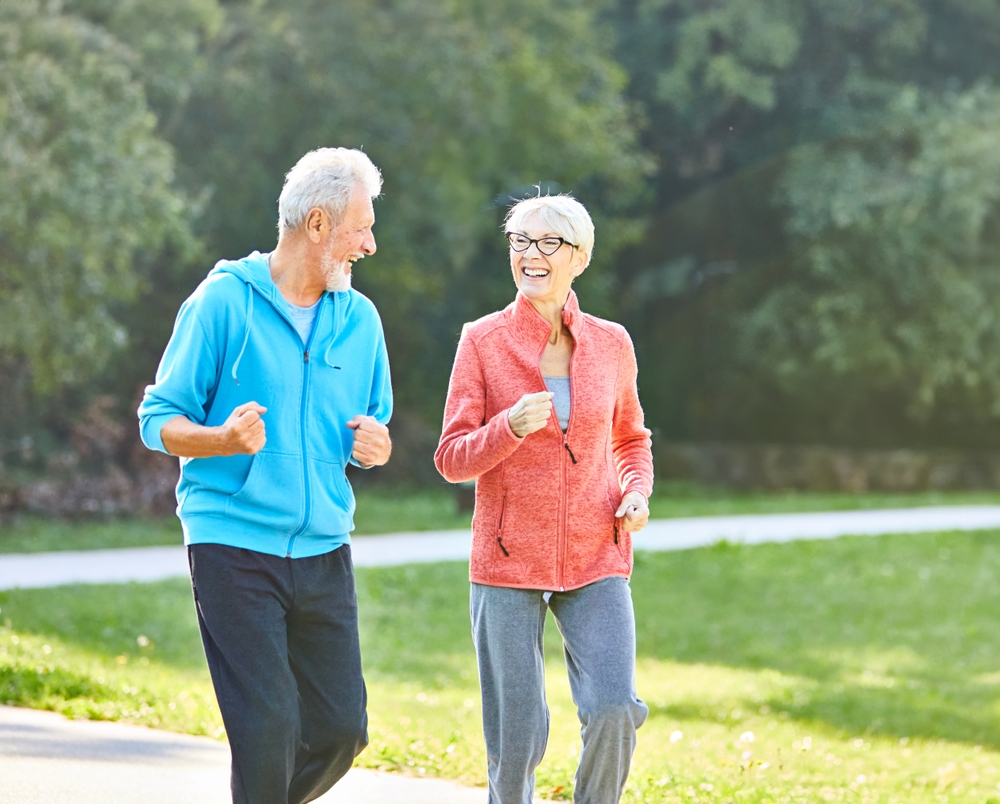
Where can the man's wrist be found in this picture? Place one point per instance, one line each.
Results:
(218, 441)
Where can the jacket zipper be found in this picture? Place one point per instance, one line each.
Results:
(564, 502)
(564, 495)
(564, 525)
(307, 502)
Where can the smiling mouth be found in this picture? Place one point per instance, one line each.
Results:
(534, 272)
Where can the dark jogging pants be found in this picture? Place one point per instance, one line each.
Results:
(281, 639)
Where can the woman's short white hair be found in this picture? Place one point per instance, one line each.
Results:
(561, 214)
(325, 178)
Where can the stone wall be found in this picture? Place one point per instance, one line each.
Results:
(826, 468)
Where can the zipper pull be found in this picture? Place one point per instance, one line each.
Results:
(571, 455)
(500, 542)
(306, 356)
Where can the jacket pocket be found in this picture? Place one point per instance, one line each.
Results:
(503, 509)
(620, 537)
(253, 476)
(623, 539)
(332, 510)
(272, 494)
(507, 565)
(612, 508)
(502, 551)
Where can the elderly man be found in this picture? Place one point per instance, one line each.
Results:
(275, 377)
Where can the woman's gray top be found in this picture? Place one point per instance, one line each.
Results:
(559, 388)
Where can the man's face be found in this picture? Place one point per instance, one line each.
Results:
(350, 241)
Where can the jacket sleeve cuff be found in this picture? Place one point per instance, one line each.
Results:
(640, 488)
(151, 428)
(507, 428)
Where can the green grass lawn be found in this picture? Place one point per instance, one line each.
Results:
(395, 510)
(854, 670)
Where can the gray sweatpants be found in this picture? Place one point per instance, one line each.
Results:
(598, 630)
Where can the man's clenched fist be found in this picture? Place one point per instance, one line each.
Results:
(243, 432)
(372, 446)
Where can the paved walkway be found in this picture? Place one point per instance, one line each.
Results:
(47, 759)
(156, 563)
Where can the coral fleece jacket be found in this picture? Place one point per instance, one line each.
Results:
(546, 503)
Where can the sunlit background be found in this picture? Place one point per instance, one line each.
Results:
(797, 207)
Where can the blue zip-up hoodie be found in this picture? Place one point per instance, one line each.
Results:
(234, 342)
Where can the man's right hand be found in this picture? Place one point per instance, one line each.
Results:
(243, 432)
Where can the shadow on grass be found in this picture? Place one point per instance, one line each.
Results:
(894, 635)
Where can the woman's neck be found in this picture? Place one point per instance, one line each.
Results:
(552, 312)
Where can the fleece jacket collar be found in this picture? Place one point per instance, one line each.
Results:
(531, 326)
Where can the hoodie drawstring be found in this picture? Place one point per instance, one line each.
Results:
(336, 329)
(246, 334)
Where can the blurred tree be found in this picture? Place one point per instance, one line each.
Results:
(728, 82)
(895, 250)
(88, 189)
(736, 91)
(817, 263)
(169, 45)
(459, 103)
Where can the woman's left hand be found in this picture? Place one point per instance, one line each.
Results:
(634, 512)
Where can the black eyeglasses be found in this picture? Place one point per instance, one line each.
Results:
(546, 245)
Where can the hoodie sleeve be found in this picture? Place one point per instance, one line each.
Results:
(185, 379)
(469, 445)
(380, 397)
(630, 440)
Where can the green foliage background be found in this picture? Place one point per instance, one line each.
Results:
(796, 202)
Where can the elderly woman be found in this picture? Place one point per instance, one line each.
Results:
(543, 412)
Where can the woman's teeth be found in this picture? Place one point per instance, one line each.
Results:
(535, 272)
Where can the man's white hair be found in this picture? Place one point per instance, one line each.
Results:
(325, 178)
(561, 214)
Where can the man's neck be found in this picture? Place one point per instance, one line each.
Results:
(293, 273)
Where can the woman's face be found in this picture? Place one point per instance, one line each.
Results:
(545, 279)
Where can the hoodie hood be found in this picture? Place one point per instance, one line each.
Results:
(254, 271)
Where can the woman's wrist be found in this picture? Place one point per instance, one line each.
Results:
(640, 495)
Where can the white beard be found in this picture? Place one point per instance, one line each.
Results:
(337, 279)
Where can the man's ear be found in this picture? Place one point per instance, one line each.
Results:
(317, 224)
